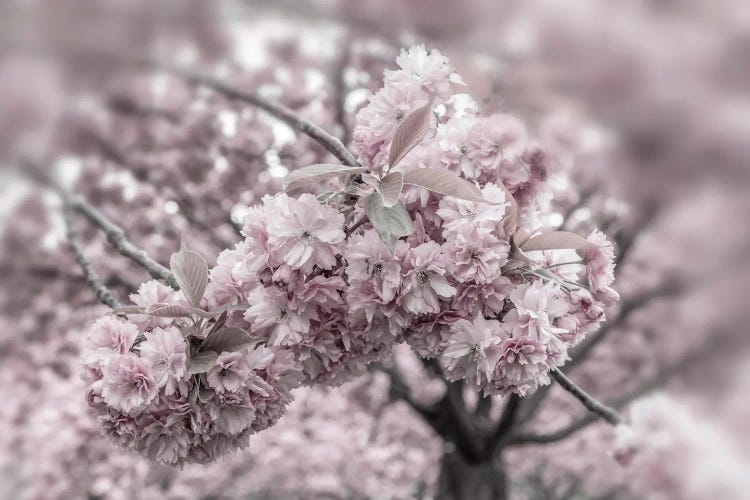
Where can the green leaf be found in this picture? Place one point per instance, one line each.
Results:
(191, 272)
(168, 311)
(390, 188)
(202, 362)
(445, 182)
(557, 240)
(315, 173)
(228, 338)
(391, 223)
(409, 133)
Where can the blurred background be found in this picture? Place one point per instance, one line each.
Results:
(642, 107)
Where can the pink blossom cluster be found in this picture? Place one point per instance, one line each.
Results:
(153, 396)
(289, 273)
(325, 287)
(457, 288)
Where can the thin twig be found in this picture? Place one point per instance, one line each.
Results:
(114, 233)
(594, 406)
(328, 141)
(504, 425)
(636, 303)
(581, 352)
(116, 237)
(647, 386)
(356, 225)
(582, 200)
(625, 242)
(103, 293)
(340, 89)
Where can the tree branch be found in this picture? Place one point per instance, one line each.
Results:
(582, 200)
(328, 141)
(447, 417)
(504, 425)
(114, 233)
(626, 241)
(116, 237)
(581, 352)
(594, 406)
(340, 89)
(649, 385)
(666, 289)
(103, 293)
(356, 225)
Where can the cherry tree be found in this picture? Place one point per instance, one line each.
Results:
(440, 259)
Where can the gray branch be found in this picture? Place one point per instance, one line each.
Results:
(667, 289)
(328, 141)
(103, 293)
(591, 404)
(114, 233)
(658, 380)
(119, 241)
(581, 352)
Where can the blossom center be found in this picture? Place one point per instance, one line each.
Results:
(475, 351)
(283, 314)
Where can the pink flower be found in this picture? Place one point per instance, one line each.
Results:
(229, 372)
(451, 139)
(234, 275)
(166, 350)
(287, 321)
(231, 412)
(475, 256)
(537, 306)
(153, 292)
(110, 335)
(485, 217)
(254, 224)
(488, 298)
(320, 291)
(423, 69)
(521, 367)
(149, 293)
(471, 350)
(370, 261)
(121, 429)
(600, 265)
(166, 439)
(378, 120)
(586, 312)
(426, 282)
(495, 148)
(259, 359)
(128, 384)
(304, 233)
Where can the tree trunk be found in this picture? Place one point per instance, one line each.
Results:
(461, 480)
